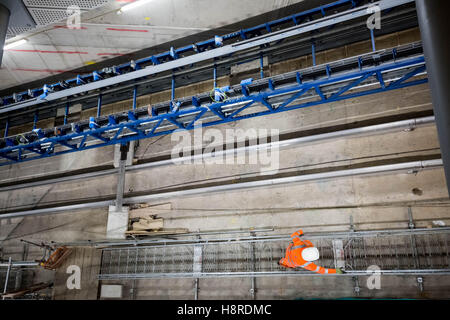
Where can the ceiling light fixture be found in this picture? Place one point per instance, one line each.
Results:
(15, 44)
(133, 5)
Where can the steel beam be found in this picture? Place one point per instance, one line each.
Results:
(269, 274)
(434, 26)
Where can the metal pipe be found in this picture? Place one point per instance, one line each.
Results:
(270, 274)
(408, 166)
(375, 129)
(6, 128)
(261, 61)
(135, 97)
(120, 185)
(417, 165)
(99, 105)
(215, 76)
(434, 25)
(379, 128)
(90, 205)
(372, 38)
(36, 118)
(124, 148)
(148, 241)
(313, 235)
(7, 275)
(20, 264)
(173, 87)
(66, 113)
(261, 239)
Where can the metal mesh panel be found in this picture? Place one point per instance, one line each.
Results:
(403, 252)
(48, 16)
(14, 31)
(83, 4)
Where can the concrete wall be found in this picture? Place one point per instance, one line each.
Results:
(291, 288)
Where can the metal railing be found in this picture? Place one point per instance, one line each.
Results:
(419, 251)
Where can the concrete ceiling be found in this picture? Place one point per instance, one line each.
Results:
(53, 48)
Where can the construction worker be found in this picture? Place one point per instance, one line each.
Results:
(302, 253)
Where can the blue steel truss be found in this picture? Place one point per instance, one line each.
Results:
(247, 100)
(173, 54)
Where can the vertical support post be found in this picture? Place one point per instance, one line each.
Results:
(135, 97)
(66, 113)
(36, 118)
(261, 64)
(253, 279)
(196, 289)
(197, 266)
(19, 273)
(372, 37)
(7, 275)
(313, 50)
(413, 239)
(215, 76)
(121, 176)
(99, 105)
(420, 283)
(357, 289)
(434, 24)
(173, 86)
(7, 128)
(133, 289)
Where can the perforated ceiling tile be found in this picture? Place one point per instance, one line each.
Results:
(47, 16)
(12, 32)
(63, 4)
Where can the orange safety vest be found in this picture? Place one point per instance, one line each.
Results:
(294, 258)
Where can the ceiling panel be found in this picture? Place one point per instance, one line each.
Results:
(105, 34)
(63, 4)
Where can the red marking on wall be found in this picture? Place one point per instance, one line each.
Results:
(46, 51)
(127, 30)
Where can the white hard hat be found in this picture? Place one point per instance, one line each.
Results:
(310, 254)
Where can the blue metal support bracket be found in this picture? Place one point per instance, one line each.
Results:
(99, 105)
(135, 97)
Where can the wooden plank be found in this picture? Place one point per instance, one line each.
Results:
(156, 233)
(148, 212)
(20, 293)
(148, 224)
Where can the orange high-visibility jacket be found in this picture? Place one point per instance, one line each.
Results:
(294, 258)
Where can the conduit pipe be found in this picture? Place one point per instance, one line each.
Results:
(407, 166)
